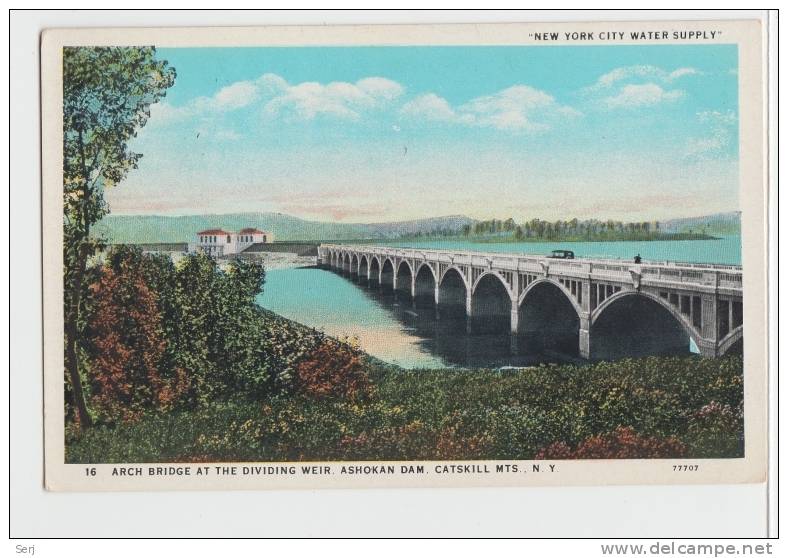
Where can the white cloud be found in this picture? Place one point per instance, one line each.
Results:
(338, 99)
(698, 147)
(636, 86)
(381, 88)
(681, 72)
(727, 118)
(647, 94)
(271, 84)
(237, 95)
(718, 140)
(513, 108)
(234, 96)
(517, 108)
(431, 107)
(641, 72)
(304, 100)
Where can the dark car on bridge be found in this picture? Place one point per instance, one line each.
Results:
(562, 255)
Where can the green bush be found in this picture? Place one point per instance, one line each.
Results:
(657, 405)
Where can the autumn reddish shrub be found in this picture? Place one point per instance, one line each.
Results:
(622, 443)
(126, 345)
(333, 369)
(409, 441)
(453, 445)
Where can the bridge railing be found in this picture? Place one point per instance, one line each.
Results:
(610, 269)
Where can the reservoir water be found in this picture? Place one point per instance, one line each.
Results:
(725, 250)
(389, 327)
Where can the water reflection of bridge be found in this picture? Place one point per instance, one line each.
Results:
(592, 307)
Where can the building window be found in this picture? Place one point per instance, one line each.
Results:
(264, 240)
(228, 239)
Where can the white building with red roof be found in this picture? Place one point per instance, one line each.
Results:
(220, 243)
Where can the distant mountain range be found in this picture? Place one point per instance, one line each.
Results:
(718, 223)
(158, 228)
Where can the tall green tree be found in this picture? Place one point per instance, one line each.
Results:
(107, 94)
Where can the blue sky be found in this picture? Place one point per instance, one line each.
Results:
(363, 134)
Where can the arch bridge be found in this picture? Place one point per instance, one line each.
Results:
(595, 308)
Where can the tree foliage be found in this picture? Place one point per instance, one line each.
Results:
(127, 346)
(162, 335)
(107, 94)
(333, 369)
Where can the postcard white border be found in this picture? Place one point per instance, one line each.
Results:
(753, 161)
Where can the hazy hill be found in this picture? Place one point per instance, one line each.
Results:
(718, 223)
(404, 228)
(158, 228)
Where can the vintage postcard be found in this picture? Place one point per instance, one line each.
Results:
(405, 255)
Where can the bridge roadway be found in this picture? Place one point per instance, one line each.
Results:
(603, 308)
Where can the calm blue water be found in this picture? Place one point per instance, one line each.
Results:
(342, 308)
(726, 250)
(389, 327)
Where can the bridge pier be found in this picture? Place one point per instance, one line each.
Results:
(514, 345)
(584, 338)
(707, 348)
(468, 313)
(709, 325)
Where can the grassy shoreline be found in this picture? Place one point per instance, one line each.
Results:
(651, 407)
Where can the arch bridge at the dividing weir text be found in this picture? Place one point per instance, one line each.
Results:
(595, 308)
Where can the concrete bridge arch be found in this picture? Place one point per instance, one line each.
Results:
(426, 265)
(387, 275)
(453, 291)
(425, 285)
(567, 293)
(689, 301)
(363, 266)
(497, 276)
(373, 274)
(459, 272)
(637, 323)
(733, 342)
(549, 317)
(403, 276)
(491, 303)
